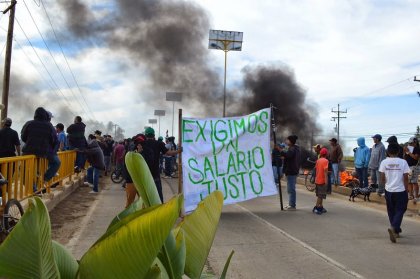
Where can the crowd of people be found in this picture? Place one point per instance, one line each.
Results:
(393, 172)
(40, 138)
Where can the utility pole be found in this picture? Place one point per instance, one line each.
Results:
(115, 130)
(8, 59)
(338, 112)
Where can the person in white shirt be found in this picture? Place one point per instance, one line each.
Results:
(394, 174)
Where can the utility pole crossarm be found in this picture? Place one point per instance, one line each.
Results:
(338, 112)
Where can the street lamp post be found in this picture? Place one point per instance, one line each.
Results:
(173, 97)
(226, 41)
(159, 113)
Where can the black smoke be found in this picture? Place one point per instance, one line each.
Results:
(294, 114)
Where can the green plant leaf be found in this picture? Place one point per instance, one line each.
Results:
(173, 253)
(153, 273)
(27, 251)
(66, 263)
(128, 249)
(225, 269)
(199, 230)
(142, 178)
(134, 207)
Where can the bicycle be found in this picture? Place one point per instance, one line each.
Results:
(310, 177)
(12, 213)
(117, 175)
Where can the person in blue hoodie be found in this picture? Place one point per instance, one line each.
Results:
(361, 162)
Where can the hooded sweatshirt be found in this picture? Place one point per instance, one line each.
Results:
(76, 135)
(38, 135)
(362, 154)
(377, 155)
(94, 155)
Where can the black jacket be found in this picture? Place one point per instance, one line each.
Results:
(38, 135)
(76, 135)
(94, 155)
(292, 160)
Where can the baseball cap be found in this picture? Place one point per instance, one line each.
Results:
(377, 136)
(323, 152)
(412, 139)
(140, 138)
(149, 131)
(50, 115)
(333, 140)
(317, 146)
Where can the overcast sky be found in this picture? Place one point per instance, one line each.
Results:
(361, 54)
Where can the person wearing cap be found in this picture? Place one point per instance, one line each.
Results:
(317, 148)
(9, 140)
(361, 162)
(277, 161)
(321, 181)
(76, 139)
(377, 155)
(412, 156)
(291, 169)
(151, 153)
(336, 156)
(394, 140)
(130, 189)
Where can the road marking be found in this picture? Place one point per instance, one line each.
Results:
(303, 244)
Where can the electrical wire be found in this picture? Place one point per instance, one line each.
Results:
(43, 64)
(65, 58)
(55, 62)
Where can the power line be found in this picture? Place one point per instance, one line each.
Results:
(65, 58)
(55, 62)
(338, 112)
(43, 64)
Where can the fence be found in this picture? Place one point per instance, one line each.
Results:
(25, 175)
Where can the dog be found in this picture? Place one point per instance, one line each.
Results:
(361, 191)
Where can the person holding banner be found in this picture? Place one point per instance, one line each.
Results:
(291, 169)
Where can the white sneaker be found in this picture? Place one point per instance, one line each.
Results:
(87, 184)
(93, 192)
(290, 208)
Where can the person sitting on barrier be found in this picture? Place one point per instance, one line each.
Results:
(77, 140)
(95, 157)
(40, 138)
(53, 160)
(9, 140)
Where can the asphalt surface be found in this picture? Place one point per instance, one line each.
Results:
(350, 241)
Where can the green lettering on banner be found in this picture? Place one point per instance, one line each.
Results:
(216, 165)
(249, 160)
(230, 128)
(225, 192)
(231, 163)
(185, 130)
(250, 128)
(264, 123)
(196, 170)
(234, 196)
(240, 125)
(262, 157)
(217, 131)
(252, 182)
(201, 130)
(241, 174)
(240, 159)
(208, 167)
(233, 143)
(208, 189)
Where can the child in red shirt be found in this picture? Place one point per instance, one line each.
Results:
(321, 181)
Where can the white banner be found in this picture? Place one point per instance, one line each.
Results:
(227, 154)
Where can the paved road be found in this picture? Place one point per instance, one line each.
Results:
(351, 240)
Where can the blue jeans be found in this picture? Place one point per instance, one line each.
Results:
(159, 188)
(277, 173)
(396, 205)
(329, 183)
(336, 173)
(291, 189)
(362, 174)
(375, 178)
(168, 166)
(93, 177)
(53, 166)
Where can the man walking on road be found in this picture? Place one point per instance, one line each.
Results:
(336, 156)
(9, 140)
(291, 169)
(95, 157)
(394, 174)
(377, 155)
